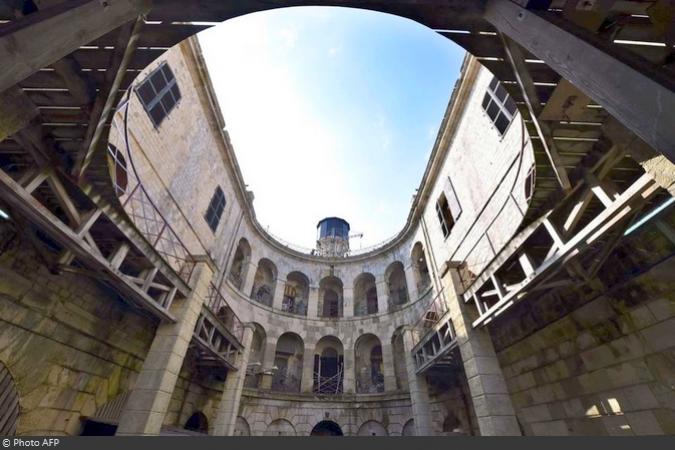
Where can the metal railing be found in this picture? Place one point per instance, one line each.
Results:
(432, 314)
(313, 252)
(217, 304)
(139, 205)
(328, 385)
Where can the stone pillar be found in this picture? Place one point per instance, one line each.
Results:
(148, 402)
(349, 377)
(277, 302)
(266, 372)
(419, 391)
(226, 416)
(307, 382)
(388, 367)
(313, 302)
(491, 400)
(250, 278)
(382, 294)
(412, 284)
(347, 302)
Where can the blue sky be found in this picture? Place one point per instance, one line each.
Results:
(332, 112)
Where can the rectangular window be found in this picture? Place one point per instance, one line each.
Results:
(159, 93)
(444, 215)
(215, 210)
(453, 200)
(499, 106)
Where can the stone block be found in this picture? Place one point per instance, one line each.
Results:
(550, 428)
(644, 423)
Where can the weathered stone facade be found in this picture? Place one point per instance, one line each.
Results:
(595, 358)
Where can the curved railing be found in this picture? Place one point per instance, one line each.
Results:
(139, 205)
(312, 252)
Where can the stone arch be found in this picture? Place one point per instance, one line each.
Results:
(241, 427)
(397, 286)
(409, 428)
(420, 268)
(452, 425)
(372, 428)
(280, 427)
(369, 370)
(365, 295)
(288, 362)
(400, 370)
(331, 297)
(257, 355)
(197, 422)
(240, 264)
(296, 294)
(9, 402)
(328, 366)
(265, 282)
(327, 428)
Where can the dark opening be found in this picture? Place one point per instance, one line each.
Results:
(326, 428)
(197, 422)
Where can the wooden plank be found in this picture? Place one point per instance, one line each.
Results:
(41, 38)
(638, 95)
(108, 92)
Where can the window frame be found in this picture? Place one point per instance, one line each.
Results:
(446, 228)
(167, 89)
(214, 212)
(502, 105)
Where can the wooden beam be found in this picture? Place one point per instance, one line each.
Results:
(105, 101)
(533, 103)
(638, 94)
(46, 36)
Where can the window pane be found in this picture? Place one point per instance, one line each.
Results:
(157, 114)
(502, 123)
(493, 83)
(511, 106)
(158, 81)
(493, 110)
(501, 93)
(168, 102)
(176, 92)
(486, 100)
(146, 92)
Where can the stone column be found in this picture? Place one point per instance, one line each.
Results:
(266, 373)
(349, 377)
(419, 391)
(250, 278)
(226, 416)
(388, 367)
(412, 284)
(313, 302)
(277, 302)
(382, 294)
(149, 400)
(307, 382)
(347, 302)
(491, 400)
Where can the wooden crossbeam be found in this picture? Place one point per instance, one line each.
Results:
(533, 102)
(46, 36)
(28, 206)
(610, 218)
(108, 91)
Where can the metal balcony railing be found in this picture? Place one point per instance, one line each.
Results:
(216, 303)
(139, 205)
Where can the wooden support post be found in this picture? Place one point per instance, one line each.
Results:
(517, 60)
(638, 94)
(108, 92)
(117, 258)
(44, 37)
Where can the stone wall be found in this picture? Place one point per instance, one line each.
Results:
(599, 359)
(70, 343)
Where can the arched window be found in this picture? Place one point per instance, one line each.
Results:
(216, 207)
(197, 422)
